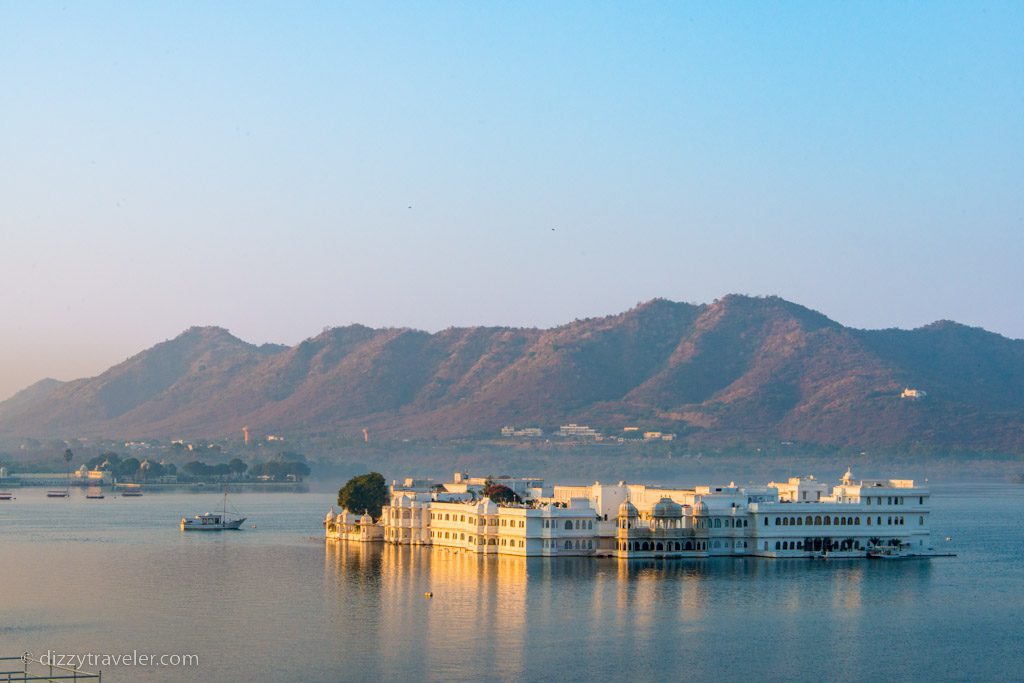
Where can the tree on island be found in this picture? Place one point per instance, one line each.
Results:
(365, 493)
(67, 458)
(500, 493)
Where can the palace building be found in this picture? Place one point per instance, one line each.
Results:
(803, 517)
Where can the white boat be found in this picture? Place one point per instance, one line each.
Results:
(213, 521)
(58, 493)
(6, 495)
(889, 552)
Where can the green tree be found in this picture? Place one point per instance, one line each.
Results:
(237, 466)
(67, 458)
(365, 493)
(500, 493)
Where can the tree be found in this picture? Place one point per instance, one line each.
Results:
(365, 493)
(237, 466)
(129, 467)
(500, 493)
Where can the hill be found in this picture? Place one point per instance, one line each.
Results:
(741, 370)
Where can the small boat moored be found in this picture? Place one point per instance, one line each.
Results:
(213, 521)
(58, 493)
(6, 495)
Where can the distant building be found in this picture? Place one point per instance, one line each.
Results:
(527, 432)
(913, 394)
(84, 474)
(575, 431)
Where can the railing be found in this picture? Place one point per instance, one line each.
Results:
(64, 673)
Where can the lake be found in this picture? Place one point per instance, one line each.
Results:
(276, 603)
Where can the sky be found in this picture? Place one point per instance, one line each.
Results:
(275, 168)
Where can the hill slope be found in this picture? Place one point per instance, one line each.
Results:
(739, 370)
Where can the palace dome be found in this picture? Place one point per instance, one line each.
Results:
(627, 509)
(366, 518)
(666, 507)
(330, 515)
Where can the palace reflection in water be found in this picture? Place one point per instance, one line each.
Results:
(512, 616)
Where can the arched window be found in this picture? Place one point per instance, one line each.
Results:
(809, 520)
(766, 521)
(785, 521)
(688, 546)
(590, 524)
(568, 545)
(778, 546)
(568, 524)
(799, 521)
(817, 519)
(778, 522)
(828, 520)
(659, 546)
(856, 521)
(718, 524)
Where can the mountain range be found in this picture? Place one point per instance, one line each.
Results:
(741, 370)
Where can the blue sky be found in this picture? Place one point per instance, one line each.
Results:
(253, 165)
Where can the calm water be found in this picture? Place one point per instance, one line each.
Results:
(116, 575)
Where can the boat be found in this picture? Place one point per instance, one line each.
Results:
(888, 552)
(58, 493)
(213, 521)
(6, 495)
(94, 493)
(132, 492)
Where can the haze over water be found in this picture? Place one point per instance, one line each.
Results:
(116, 575)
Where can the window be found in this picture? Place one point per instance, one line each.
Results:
(920, 520)
(778, 522)
(568, 525)
(785, 521)
(920, 500)
(778, 546)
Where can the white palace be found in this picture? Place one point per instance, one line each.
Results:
(801, 518)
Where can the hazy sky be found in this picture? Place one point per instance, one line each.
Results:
(275, 168)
